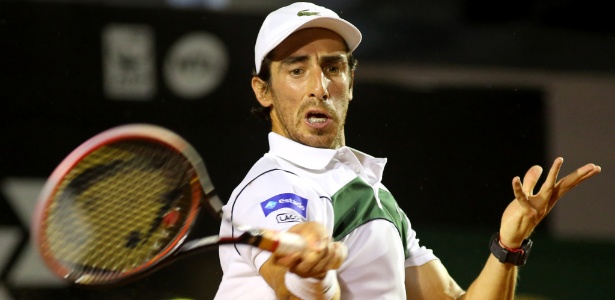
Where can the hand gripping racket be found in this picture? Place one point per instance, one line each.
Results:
(122, 203)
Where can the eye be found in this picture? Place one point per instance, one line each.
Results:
(296, 72)
(332, 69)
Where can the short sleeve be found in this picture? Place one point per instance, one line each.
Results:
(418, 255)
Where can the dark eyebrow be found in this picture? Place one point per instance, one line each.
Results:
(334, 59)
(330, 59)
(294, 59)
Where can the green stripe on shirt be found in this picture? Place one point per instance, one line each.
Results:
(355, 204)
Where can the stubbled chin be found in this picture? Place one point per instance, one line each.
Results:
(320, 140)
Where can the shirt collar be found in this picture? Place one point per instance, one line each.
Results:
(302, 155)
(318, 158)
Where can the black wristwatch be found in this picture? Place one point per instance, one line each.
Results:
(517, 257)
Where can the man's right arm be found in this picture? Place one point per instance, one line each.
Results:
(310, 271)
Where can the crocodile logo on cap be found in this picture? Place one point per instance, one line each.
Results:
(306, 12)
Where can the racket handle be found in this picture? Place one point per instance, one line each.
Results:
(289, 243)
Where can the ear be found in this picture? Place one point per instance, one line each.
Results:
(261, 91)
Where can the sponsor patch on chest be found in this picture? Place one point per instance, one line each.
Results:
(287, 200)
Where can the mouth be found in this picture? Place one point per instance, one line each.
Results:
(317, 118)
(314, 118)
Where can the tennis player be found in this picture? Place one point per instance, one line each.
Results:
(361, 244)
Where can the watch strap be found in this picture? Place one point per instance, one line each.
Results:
(517, 257)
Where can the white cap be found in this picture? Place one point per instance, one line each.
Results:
(283, 22)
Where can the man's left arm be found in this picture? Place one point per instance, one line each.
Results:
(498, 280)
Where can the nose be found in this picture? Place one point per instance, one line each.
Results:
(319, 87)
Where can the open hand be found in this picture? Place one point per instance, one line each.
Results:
(527, 210)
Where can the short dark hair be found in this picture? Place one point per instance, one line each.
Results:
(265, 75)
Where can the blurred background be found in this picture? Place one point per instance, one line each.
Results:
(459, 95)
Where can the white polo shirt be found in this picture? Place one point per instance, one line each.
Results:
(340, 189)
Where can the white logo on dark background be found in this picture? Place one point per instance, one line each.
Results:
(195, 65)
(128, 62)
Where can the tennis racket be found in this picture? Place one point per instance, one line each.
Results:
(122, 204)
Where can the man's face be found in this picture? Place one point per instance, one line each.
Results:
(311, 87)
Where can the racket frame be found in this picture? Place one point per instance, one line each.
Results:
(203, 194)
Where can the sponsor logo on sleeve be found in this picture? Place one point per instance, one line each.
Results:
(288, 218)
(287, 200)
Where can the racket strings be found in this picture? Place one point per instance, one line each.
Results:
(119, 196)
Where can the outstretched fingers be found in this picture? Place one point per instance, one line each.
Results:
(549, 183)
(531, 179)
(520, 194)
(528, 209)
(523, 191)
(573, 179)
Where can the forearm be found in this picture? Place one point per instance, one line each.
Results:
(496, 281)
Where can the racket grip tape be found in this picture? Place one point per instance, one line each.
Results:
(289, 243)
(280, 242)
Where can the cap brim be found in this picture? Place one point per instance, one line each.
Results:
(345, 29)
(348, 32)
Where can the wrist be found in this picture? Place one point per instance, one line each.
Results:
(509, 243)
(312, 288)
(510, 246)
(506, 254)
